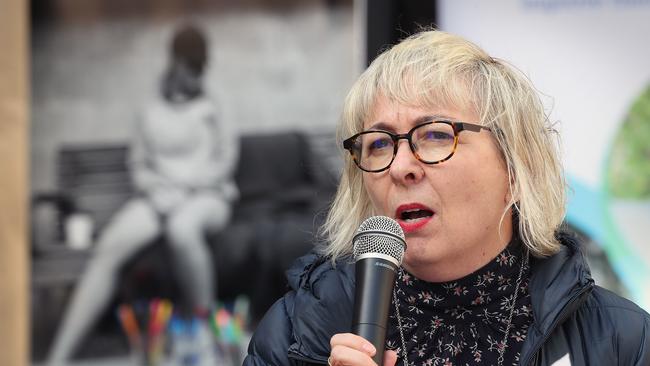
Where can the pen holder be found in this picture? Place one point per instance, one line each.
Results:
(193, 343)
(145, 325)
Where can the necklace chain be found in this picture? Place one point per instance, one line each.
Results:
(506, 333)
(399, 326)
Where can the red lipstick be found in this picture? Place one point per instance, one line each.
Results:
(413, 216)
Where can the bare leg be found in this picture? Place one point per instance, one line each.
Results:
(186, 233)
(133, 227)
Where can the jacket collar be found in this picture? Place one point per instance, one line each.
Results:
(558, 286)
(556, 280)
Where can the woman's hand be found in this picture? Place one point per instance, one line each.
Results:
(166, 198)
(352, 350)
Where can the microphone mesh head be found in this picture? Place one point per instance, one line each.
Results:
(379, 234)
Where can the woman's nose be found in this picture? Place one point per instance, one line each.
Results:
(406, 168)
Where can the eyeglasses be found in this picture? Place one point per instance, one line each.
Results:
(431, 142)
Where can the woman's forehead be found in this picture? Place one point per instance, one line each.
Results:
(385, 110)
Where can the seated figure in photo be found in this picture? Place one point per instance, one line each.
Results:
(182, 161)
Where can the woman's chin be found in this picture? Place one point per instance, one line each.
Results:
(419, 255)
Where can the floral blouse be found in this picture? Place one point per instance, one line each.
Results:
(463, 322)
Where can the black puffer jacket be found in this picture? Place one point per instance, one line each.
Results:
(571, 316)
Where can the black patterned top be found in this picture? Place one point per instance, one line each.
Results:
(463, 322)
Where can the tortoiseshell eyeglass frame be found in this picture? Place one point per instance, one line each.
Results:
(457, 126)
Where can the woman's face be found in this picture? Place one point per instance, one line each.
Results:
(181, 84)
(450, 212)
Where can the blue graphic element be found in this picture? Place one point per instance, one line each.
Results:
(588, 211)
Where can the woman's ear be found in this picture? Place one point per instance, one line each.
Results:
(512, 193)
(510, 197)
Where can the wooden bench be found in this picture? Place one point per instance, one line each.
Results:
(285, 181)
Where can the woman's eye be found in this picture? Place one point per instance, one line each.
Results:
(438, 135)
(380, 144)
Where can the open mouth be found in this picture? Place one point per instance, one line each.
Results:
(415, 214)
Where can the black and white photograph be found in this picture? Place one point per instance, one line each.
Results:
(182, 155)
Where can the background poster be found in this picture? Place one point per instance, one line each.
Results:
(589, 61)
(275, 68)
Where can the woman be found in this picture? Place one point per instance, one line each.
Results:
(182, 163)
(455, 146)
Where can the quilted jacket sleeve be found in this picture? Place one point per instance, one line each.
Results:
(272, 337)
(297, 329)
(643, 354)
(632, 331)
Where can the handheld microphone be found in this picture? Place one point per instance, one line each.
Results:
(379, 246)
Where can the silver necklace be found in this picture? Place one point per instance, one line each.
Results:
(506, 333)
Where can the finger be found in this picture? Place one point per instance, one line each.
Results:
(390, 358)
(353, 341)
(346, 356)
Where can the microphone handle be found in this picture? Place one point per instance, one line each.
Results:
(375, 335)
(375, 278)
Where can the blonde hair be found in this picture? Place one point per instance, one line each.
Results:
(434, 68)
